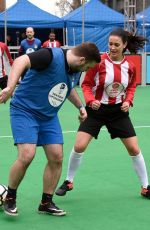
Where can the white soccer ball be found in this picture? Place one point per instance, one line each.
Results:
(3, 193)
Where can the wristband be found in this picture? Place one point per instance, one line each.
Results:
(81, 106)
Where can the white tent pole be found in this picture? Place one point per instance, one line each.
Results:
(144, 28)
(74, 43)
(64, 40)
(83, 18)
(66, 37)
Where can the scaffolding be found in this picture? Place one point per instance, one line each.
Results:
(130, 15)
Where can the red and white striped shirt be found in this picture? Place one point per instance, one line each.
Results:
(110, 82)
(51, 44)
(5, 57)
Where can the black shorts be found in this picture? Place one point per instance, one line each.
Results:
(117, 122)
(3, 82)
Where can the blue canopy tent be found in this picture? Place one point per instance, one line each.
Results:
(143, 21)
(24, 14)
(98, 21)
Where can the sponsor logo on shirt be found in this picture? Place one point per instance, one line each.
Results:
(114, 89)
(57, 94)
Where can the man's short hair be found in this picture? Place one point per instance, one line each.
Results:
(88, 50)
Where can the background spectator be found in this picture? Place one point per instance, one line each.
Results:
(51, 42)
(10, 41)
(30, 44)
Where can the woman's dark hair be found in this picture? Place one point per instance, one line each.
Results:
(134, 42)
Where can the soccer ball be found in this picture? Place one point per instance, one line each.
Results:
(3, 193)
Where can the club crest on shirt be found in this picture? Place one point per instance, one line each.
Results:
(57, 94)
(29, 50)
(114, 89)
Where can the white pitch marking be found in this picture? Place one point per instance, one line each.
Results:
(73, 131)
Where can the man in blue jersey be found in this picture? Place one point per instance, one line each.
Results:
(51, 77)
(29, 44)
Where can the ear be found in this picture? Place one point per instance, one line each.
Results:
(125, 44)
(82, 60)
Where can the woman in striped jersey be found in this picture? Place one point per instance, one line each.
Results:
(108, 90)
(5, 59)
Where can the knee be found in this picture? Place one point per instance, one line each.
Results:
(79, 148)
(57, 158)
(26, 160)
(133, 151)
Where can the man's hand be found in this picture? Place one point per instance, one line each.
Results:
(125, 106)
(5, 94)
(95, 105)
(83, 114)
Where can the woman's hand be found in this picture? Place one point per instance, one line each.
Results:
(125, 106)
(95, 105)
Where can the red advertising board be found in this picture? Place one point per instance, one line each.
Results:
(137, 60)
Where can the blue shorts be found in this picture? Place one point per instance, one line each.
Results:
(27, 128)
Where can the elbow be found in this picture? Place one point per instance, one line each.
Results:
(23, 61)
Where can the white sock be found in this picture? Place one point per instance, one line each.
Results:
(140, 168)
(73, 164)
